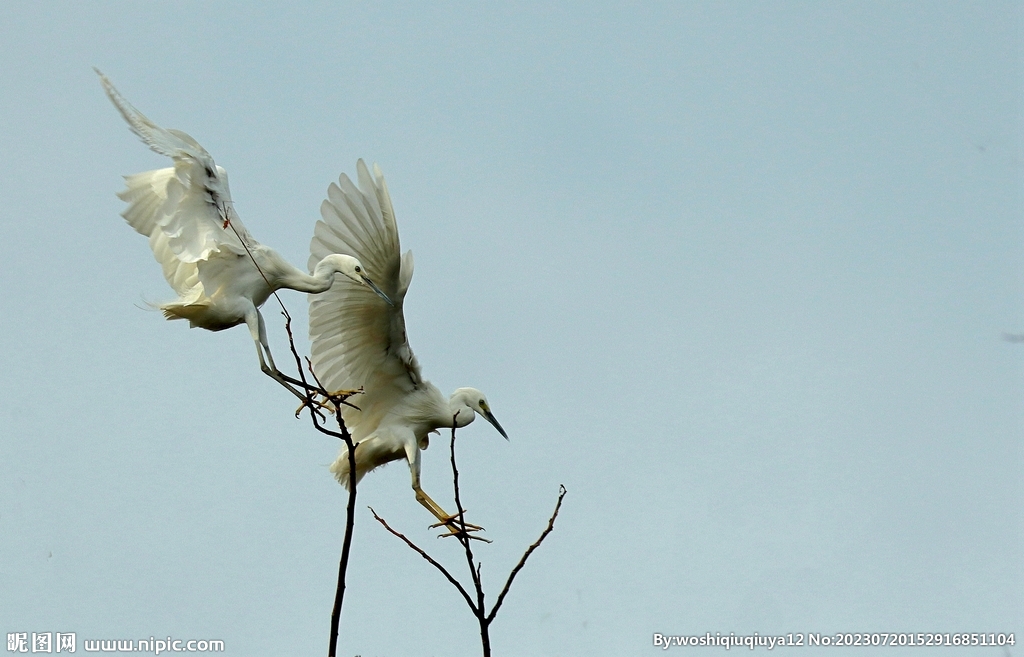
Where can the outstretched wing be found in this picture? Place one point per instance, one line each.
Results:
(190, 204)
(358, 340)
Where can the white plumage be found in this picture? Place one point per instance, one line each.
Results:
(360, 341)
(219, 272)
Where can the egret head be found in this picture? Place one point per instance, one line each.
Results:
(351, 267)
(474, 401)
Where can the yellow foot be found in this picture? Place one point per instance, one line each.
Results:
(315, 406)
(454, 528)
(318, 402)
(345, 394)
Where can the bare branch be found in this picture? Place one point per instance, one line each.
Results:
(317, 417)
(526, 555)
(463, 535)
(435, 564)
(350, 521)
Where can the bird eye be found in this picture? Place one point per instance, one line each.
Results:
(358, 269)
(483, 404)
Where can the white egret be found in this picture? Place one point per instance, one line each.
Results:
(221, 274)
(358, 340)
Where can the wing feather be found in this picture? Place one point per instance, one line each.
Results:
(190, 203)
(358, 340)
(146, 195)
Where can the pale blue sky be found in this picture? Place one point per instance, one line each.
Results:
(736, 274)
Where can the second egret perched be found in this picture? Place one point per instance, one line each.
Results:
(221, 274)
(360, 341)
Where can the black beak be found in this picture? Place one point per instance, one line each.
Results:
(490, 418)
(373, 286)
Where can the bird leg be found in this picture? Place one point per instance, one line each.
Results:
(448, 521)
(272, 371)
(307, 400)
(258, 330)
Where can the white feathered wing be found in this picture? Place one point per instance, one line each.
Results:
(358, 340)
(184, 210)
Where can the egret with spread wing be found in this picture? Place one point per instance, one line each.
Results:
(358, 340)
(221, 274)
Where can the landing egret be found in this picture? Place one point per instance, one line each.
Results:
(358, 340)
(221, 274)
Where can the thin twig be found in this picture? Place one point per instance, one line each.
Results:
(336, 399)
(227, 222)
(309, 401)
(463, 536)
(526, 555)
(435, 564)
